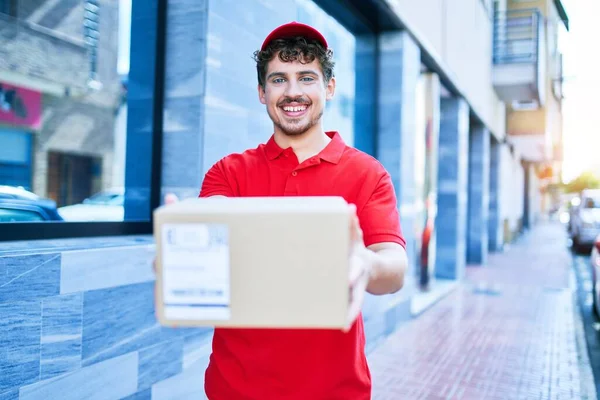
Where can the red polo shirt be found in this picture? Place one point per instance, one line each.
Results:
(287, 364)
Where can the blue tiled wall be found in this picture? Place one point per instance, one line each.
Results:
(79, 324)
(399, 70)
(452, 189)
(76, 316)
(479, 186)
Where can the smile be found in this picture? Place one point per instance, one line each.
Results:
(294, 111)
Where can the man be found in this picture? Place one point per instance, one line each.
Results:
(295, 79)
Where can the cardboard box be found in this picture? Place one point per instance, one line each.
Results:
(277, 262)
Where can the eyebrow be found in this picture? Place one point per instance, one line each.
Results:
(283, 75)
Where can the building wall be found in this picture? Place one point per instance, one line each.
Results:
(512, 186)
(459, 34)
(85, 307)
(83, 124)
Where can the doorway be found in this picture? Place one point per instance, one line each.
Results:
(73, 177)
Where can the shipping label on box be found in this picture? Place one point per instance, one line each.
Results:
(196, 271)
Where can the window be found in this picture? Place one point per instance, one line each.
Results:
(79, 83)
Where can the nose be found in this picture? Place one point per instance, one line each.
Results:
(293, 89)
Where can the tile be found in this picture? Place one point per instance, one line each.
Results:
(197, 347)
(111, 379)
(86, 270)
(29, 276)
(141, 395)
(159, 362)
(127, 312)
(188, 385)
(9, 395)
(19, 343)
(59, 245)
(185, 31)
(61, 334)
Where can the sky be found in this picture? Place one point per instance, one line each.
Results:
(581, 106)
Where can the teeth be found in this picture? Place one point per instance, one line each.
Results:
(295, 109)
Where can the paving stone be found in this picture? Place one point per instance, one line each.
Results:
(507, 332)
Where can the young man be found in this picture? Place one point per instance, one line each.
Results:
(295, 79)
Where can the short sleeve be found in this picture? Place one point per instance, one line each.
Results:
(379, 217)
(216, 183)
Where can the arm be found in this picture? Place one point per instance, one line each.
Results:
(388, 266)
(380, 241)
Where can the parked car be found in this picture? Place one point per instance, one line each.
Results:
(106, 205)
(585, 220)
(20, 205)
(595, 261)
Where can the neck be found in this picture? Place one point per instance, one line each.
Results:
(305, 145)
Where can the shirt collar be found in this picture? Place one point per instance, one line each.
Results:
(331, 153)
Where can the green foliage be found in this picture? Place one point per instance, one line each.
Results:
(587, 180)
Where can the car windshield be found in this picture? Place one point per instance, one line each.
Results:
(592, 202)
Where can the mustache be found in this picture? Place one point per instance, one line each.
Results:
(298, 100)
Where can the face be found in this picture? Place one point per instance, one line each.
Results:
(295, 95)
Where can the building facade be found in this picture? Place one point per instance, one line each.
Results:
(460, 101)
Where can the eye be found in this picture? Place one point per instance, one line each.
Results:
(278, 80)
(307, 79)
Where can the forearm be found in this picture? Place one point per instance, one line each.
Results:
(388, 266)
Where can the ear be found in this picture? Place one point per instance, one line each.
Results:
(330, 89)
(261, 94)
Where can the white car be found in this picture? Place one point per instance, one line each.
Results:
(585, 219)
(103, 206)
(595, 261)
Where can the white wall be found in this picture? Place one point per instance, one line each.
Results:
(459, 35)
(512, 186)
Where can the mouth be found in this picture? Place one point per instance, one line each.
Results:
(294, 111)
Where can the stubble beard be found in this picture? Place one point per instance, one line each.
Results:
(294, 128)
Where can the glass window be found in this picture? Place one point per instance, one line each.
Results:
(76, 100)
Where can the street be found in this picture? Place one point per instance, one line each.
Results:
(581, 265)
(512, 330)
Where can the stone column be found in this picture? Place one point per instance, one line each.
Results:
(494, 226)
(479, 187)
(399, 70)
(452, 189)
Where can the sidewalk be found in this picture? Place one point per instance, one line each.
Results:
(511, 331)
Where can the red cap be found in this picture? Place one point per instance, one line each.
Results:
(292, 29)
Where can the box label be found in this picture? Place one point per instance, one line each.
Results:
(196, 268)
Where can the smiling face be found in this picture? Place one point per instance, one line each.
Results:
(295, 94)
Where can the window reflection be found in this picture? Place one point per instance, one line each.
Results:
(64, 72)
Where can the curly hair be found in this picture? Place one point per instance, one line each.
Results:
(294, 49)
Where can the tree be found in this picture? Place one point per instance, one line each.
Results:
(586, 180)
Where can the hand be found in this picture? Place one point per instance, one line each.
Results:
(360, 261)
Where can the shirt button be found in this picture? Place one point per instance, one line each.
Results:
(294, 173)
